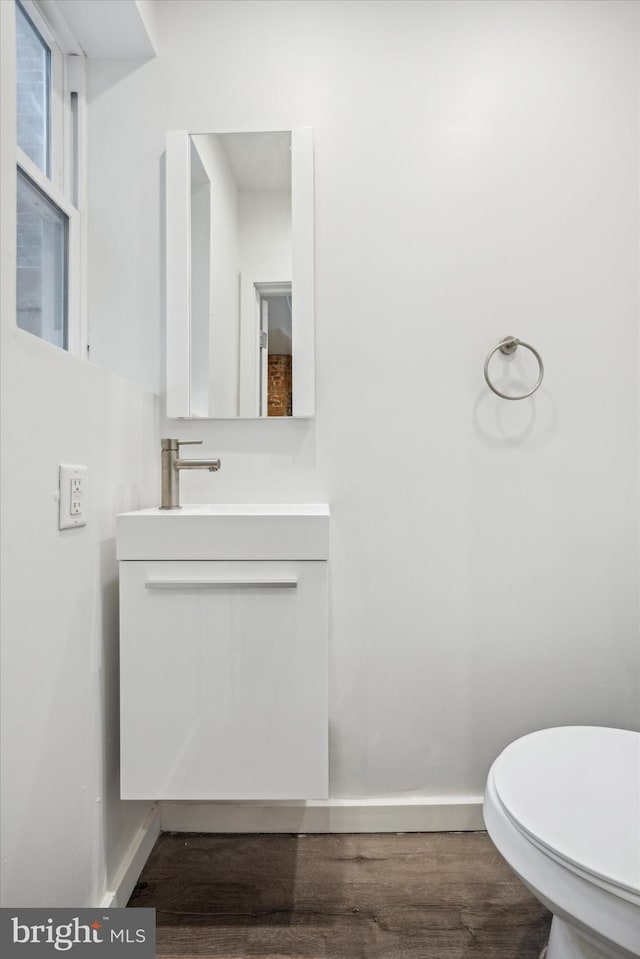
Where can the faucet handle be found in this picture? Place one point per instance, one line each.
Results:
(173, 444)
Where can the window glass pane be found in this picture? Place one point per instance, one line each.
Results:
(42, 250)
(33, 86)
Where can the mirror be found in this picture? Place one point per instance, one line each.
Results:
(240, 292)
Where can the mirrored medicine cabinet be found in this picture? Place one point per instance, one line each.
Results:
(239, 274)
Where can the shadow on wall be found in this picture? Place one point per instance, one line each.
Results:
(113, 72)
(499, 423)
(112, 810)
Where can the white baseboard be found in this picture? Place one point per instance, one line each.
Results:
(332, 815)
(133, 863)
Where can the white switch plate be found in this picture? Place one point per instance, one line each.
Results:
(73, 496)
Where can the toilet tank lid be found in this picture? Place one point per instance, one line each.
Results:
(576, 791)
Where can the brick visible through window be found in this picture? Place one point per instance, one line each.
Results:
(33, 86)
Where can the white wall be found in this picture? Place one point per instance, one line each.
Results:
(224, 339)
(265, 233)
(127, 301)
(67, 839)
(476, 176)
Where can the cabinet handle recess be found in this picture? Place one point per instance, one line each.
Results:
(272, 582)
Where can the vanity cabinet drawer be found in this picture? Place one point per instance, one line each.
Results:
(223, 680)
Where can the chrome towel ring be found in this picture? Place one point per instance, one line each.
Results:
(507, 346)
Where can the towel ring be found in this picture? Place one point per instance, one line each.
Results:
(507, 346)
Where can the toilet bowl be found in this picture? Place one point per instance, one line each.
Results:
(563, 808)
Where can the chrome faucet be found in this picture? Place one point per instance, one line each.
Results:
(171, 466)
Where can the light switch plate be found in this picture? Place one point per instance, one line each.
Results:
(73, 496)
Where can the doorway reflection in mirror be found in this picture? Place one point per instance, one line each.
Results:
(276, 386)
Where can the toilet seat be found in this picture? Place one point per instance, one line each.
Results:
(562, 806)
(574, 792)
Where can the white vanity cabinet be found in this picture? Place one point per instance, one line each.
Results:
(223, 667)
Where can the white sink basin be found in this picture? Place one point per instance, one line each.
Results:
(226, 531)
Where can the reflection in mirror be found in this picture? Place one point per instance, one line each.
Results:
(275, 381)
(248, 228)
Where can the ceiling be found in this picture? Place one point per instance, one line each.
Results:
(259, 161)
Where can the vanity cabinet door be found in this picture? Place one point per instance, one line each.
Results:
(223, 680)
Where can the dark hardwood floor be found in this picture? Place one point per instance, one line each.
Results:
(384, 896)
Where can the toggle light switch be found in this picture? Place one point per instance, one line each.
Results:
(73, 496)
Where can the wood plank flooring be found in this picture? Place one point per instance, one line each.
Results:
(384, 896)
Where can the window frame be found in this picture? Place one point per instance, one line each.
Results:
(67, 166)
(57, 197)
(56, 93)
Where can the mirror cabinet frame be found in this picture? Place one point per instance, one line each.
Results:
(179, 388)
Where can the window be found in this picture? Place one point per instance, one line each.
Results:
(42, 265)
(47, 253)
(33, 92)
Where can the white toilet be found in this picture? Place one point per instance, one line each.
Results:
(563, 807)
